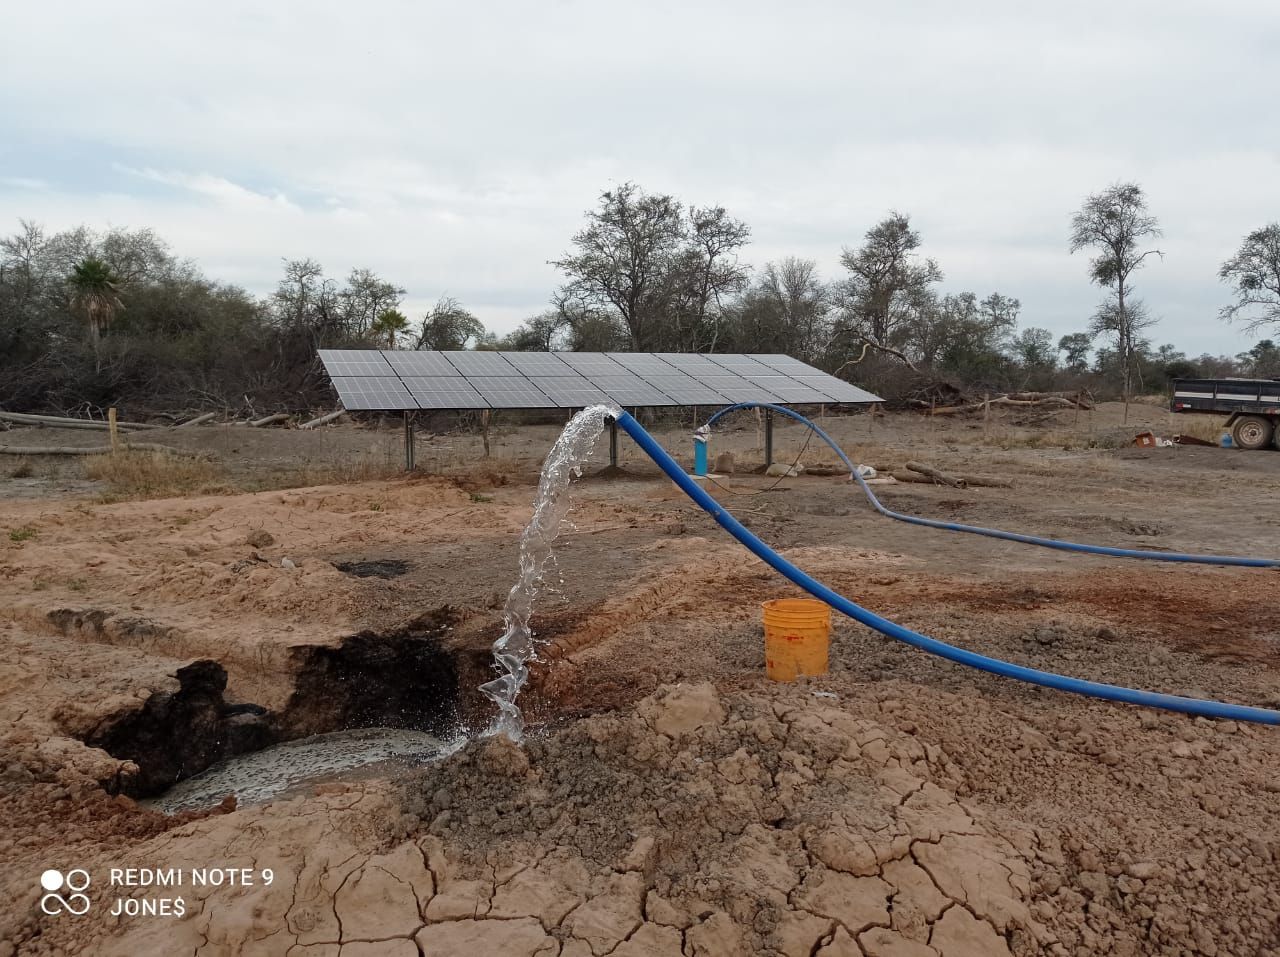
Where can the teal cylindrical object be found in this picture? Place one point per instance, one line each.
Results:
(699, 456)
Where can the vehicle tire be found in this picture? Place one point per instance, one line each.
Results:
(1252, 432)
(1275, 438)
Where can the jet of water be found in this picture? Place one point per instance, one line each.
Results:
(517, 647)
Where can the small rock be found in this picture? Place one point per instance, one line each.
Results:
(287, 563)
(259, 538)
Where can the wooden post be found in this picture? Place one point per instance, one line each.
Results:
(768, 437)
(986, 413)
(115, 432)
(408, 441)
(484, 430)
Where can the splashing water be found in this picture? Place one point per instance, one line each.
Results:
(517, 647)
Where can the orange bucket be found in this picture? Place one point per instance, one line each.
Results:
(797, 637)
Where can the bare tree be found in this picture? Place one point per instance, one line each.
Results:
(1115, 222)
(887, 286)
(660, 273)
(448, 326)
(1254, 273)
(787, 309)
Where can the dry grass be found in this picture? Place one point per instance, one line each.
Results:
(341, 473)
(143, 475)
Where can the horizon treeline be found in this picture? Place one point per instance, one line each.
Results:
(90, 319)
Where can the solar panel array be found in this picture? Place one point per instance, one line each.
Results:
(394, 380)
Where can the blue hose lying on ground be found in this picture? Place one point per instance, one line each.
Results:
(1196, 706)
(1154, 556)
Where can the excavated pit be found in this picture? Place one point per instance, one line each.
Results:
(401, 679)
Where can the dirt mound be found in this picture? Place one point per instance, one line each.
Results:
(746, 825)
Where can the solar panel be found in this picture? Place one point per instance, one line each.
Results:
(395, 379)
(373, 393)
(591, 362)
(737, 389)
(787, 365)
(631, 390)
(743, 365)
(511, 392)
(537, 363)
(690, 363)
(789, 390)
(480, 363)
(354, 362)
(838, 389)
(569, 392)
(419, 363)
(641, 363)
(444, 392)
(687, 390)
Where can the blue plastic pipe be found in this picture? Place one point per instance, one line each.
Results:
(1047, 679)
(1154, 556)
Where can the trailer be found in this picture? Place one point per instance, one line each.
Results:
(1252, 407)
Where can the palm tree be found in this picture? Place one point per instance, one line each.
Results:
(94, 289)
(390, 323)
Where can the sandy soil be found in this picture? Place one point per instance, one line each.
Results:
(671, 800)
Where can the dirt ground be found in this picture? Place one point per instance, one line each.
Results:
(669, 800)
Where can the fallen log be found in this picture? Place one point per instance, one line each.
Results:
(269, 420)
(937, 476)
(197, 420)
(94, 449)
(323, 420)
(61, 422)
(970, 481)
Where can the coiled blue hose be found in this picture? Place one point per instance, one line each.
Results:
(1196, 706)
(1155, 556)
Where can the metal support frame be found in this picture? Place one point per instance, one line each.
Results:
(768, 437)
(408, 441)
(613, 443)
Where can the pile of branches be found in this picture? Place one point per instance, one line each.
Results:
(960, 404)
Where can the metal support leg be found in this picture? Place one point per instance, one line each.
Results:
(408, 441)
(613, 443)
(768, 437)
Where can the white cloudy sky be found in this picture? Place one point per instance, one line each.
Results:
(454, 147)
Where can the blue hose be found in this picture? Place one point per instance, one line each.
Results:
(1197, 706)
(1154, 556)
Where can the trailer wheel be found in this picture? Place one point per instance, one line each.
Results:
(1252, 432)
(1275, 438)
